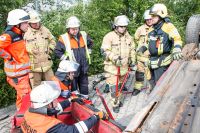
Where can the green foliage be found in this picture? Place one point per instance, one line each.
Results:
(7, 94)
(96, 18)
(6, 6)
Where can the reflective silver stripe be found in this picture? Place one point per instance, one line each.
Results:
(64, 57)
(15, 66)
(80, 129)
(12, 74)
(83, 125)
(84, 35)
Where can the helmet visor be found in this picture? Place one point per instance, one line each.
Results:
(25, 18)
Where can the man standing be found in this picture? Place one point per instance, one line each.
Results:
(13, 50)
(164, 42)
(40, 44)
(118, 50)
(141, 37)
(75, 45)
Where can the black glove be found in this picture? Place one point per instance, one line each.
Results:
(78, 100)
(133, 67)
(142, 49)
(52, 111)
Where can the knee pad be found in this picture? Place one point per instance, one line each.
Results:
(139, 76)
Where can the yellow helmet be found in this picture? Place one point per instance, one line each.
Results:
(34, 16)
(159, 10)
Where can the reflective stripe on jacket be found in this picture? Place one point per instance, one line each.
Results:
(13, 45)
(162, 38)
(115, 44)
(72, 44)
(79, 51)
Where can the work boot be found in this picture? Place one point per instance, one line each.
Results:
(135, 92)
(107, 89)
(116, 109)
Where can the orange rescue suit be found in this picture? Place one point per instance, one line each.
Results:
(16, 62)
(37, 123)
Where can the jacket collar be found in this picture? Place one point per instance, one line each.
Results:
(16, 30)
(158, 25)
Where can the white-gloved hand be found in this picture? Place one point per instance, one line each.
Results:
(177, 54)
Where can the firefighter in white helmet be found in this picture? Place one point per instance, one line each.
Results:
(75, 45)
(164, 44)
(40, 117)
(141, 37)
(40, 44)
(13, 51)
(118, 50)
(65, 75)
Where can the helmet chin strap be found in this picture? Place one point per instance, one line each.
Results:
(35, 28)
(19, 27)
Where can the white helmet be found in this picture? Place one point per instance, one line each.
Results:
(68, 66)
(121, 20)
(34, 16)
(45, 93)
(73, 22)
(17, 16)
(147, 15)
(159, 10)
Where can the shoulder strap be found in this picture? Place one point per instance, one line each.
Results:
(68, 51)
(84, 35)
(14, 36)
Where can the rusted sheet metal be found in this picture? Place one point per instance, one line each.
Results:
(154, 97)
(180, 87)
(172, 95)
(178, 119)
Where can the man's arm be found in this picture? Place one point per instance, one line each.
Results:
(5, 41)
(81, 126)
(52, 42)
(60, 49)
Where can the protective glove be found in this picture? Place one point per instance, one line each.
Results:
(52, 111)
(76, 99)
(116, 60)
(101, 115)
(65, 93)
(177, 53)
(142, 49)
(133, 67)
